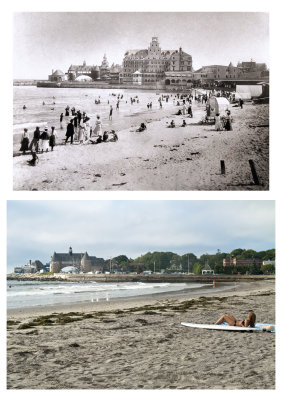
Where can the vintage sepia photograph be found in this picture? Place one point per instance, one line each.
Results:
(141, 295)
(151, 101)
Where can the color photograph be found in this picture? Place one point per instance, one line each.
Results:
(141, 294)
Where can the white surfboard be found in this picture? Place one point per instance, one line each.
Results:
(226, 327)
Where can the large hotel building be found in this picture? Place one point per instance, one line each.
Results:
(148, 66)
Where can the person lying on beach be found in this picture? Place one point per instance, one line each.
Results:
(142, 127)
(172, 124)
(250, 321)
(179, 112)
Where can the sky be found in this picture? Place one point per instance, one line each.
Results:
(46, 41)
(35, 229)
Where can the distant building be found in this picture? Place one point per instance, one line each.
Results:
(207, 270)
(76, 71)
(211, 75)
(268, 262)
(57, 76)
(114, 73)
(81, 261)
(233, 261)
(105, 69)
(30, 268)
(151, 64)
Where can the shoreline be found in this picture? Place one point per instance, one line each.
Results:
(142, 345)
(133, 301)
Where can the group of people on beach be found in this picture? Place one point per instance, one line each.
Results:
(79, 130)
(40, 142)
(84, 134)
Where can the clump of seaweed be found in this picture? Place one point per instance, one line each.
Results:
(11, 322)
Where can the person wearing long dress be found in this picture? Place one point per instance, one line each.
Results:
(228, 124)
(24, 141)
(53, 138)
(218, 123)
(44, 140)
(98, 128)
(81, 131)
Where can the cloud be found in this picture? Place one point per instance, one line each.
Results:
(107, 228)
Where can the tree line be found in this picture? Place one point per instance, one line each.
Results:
(170, 262)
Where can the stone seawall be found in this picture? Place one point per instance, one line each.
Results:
(140, 278)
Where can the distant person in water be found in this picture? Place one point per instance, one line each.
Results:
(24, 107)
(232, 321)
(24, 141)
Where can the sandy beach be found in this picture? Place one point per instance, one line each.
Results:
(160, 158)
(140, 344)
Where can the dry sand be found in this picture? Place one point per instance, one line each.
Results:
(160, 158)
(140, 344)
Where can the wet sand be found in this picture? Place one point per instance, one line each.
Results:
(160, 158)
(140, 344)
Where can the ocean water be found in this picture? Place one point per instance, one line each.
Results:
(22, 294)
(83, 99)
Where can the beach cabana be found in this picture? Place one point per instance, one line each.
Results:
(217, 105)
(248, 91)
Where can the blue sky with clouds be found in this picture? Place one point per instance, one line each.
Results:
(35, 229)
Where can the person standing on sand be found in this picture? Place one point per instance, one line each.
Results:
(44, 140)
(24, 141)
(81, 130)
(75, 126)
(98, 127)
(70, 132)
(250, 321)
(228, 124)
(35, 141)
(61, 120)
(218, 124)
(53, 137)
(111, 113)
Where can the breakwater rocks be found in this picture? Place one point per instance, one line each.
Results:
(170, 278)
